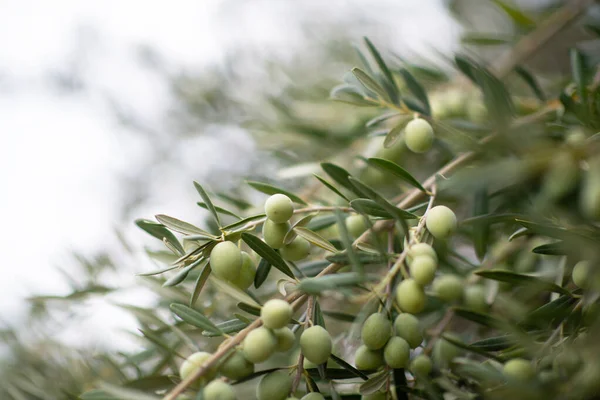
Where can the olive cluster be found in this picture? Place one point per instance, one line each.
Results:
(279, 209)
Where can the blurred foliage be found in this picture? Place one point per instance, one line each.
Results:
(515, 155)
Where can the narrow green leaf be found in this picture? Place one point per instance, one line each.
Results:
(340, 175)
(579, 75)
(319, 223)
(317, 317)
(370, 207)
(496, 343)
(208, 202)
(233, 291)
(347, 242)
(291, 234)
(467, 347)
(333, 282)
(486, 39)
(393, 134)
(362, 257)
(515, 14)
(375, 383)
(339, 316)
(227, 327)
(157, 340)
(315, 239)
(157, 272)
(220, 210)
(271, 190)
(416, 89)
(381, 118)
(522, 280)
(121, 393)
(490, 219)
(346, 93)
(160, 232)
(200, 282)
(389, 78)
(264, 251)
(243, 222)
(397, 213)
(370, 83)
(482, 319)
(180, 226)
(262, 272)
(531, 81)
(348, 367)
(181, 275)
(552, 312)
(552, 249)
(250, 309)
(481, 231)
(193, 317)
(331, 187)
(396, 170)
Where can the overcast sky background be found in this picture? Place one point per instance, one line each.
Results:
(60, 152)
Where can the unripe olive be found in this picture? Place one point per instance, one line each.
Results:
(407, 327)
(226, 260)
(376, 331)
(448, 288)
(274, 386)
(236, 366)
(561, 176)
(259, 345)
(422, 269)
(444, 352)
(218, 390)
(421, 365)
(589, 199)
(420, 249)
(313, 396)
(441, 222)
(285, 339)
(356, 225)
(368, 359)
(439, 106)
(316, 344)
(374, 396)
(195, 362)
(279, 208)
(276, 313)
(274, 234)
(455, 101)
(393, 153)
(297, 250)
(518, 369)
(474, 298)
(410, 296)
(567, 363)
(418, 135)
(247, 272)
(397, 352)
(581, 274)
(576, 137)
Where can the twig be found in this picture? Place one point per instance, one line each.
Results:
(439, 329)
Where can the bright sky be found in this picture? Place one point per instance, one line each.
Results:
(59, 153)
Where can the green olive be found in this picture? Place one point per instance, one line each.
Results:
(247, 272)
(316, 344)
(448, 288)
(407, 327)
(356, 225)
(589, 198)
(444, 351)
(368, 359)
(455, 101)
(236, 366)
(420, 249)
(475, 298)
(561, 177)
(285, 339)
(410, 296)
(259, 345)
(576, 137)
(297, 250)
(566, 363)
(422, 269)
(218, 390)
(276, 313)
(376, 331)
(518, 369)
(274, 234)
(418, 135)
(195, 362)
(226, 260)
(313, 396)
(279, 208)
(581, 274)
(421, 365)
(397, 352)
(274, 386)
(441, 222)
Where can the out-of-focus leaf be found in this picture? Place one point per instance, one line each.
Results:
(332, 282)
(521, 280)
(552, 249)
(495, 343)
(531, 82)
(381, 118)
(396, 212)
(370, 84)
(315, 239)
(579, 74)
(363, 258)
(392, 89)
(416, 89)
(271, 190)
(160, 232)
(515, 14)
(319, 223)
(243, 222)
(220, 210)
(481, 231)
(396, 170)
(180, 226)
(331, 187)
(194, 317)
(340, 175)
(553, 311)
(349, 94)
(208, 202)
(227, 327)
(264, 251)
(347, 242)
(200, 281)
(482, 319)
(262, 272)
(233, 291)
(485, 39)
(467, 347)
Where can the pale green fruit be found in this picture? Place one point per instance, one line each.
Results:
(279, 208)
(397, 352)
(313, 396)
(236, 366)
(444, 352)
(276, 313)
(297, 250)
(477, 111)
(439, 106)
(418, 135)
(410, 296)
(422, 269)
(420, 249)
(195, 362)
(274, 234)
(226, 260)
(567, 363)
(589, 199)
(561, 176)
(218, 390)
(376, 331)
(407, 327)
(247, 272)
(316, 344)
(393, 153)
(274, 386)
(259, 345)
(448, 288)
(455, 101)
(581, 274)
(576, 137)
(285, 339)
(441, 222)
(518, 369)
(474, 298)
(368, 359)
(374, 396)
(421, 365)
(356, 225)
